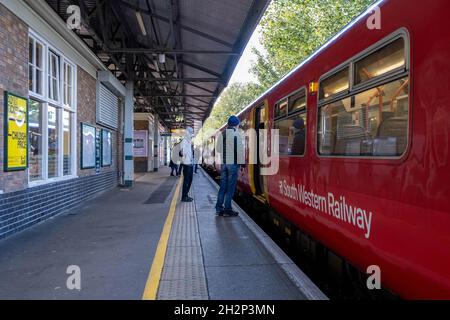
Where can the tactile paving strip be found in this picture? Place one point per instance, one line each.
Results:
(183, 276)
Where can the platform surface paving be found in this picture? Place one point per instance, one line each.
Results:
(114, 237)
(218, 258)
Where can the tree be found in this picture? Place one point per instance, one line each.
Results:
(236, 97)
(293, 29)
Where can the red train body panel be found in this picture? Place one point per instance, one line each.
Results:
(405, 200)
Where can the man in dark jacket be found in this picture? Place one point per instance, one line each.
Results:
(231, 149)
(298, 145)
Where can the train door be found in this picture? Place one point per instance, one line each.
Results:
(260, 124)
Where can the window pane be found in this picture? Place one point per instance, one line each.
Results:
(373, 123)
(30, 51)
(53, 148)
(69, 75)
(54, 65)
(36, 136)
(30, 77)
(106, 148)
(53, 76)
(67, 128)
(337, 83)
(292, 135)
(297, 102)
(281, 109)
(38, 61)
(55, 90)
(381, 62)
(69, 97)
(39, 81)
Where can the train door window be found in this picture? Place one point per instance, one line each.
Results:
(335, 84)
(386, 60)
(292, 127)
(297, 102)
(292, 135)
(281, 109)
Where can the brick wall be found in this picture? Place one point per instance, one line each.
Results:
(23, 209)
(86, 113)
(13, 78)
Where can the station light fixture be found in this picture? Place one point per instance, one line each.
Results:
(162, 58)
(140, 21)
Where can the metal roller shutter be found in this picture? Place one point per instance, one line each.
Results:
(108, 113)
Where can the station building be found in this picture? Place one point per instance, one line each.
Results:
(87, 103)
(76, 120)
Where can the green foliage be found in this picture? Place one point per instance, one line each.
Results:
(234, 98)
(293, 29)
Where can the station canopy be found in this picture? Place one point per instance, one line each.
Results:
(179, 53)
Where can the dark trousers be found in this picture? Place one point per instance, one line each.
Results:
(228, 181)
(188, 173)
(174, 168)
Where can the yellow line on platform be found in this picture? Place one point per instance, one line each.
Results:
(152, 285)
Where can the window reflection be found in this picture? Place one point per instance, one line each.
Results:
(35, 136)
(373, 123)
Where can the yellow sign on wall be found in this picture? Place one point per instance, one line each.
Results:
(16, 132)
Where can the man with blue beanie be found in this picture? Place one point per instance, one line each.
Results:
(231, 149)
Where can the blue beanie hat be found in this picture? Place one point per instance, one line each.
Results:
(299, 124)
(233, 121)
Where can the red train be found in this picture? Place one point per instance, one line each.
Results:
(371, 180)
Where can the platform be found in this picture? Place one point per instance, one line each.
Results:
(145, 244)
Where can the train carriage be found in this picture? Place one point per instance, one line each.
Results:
(364, 128)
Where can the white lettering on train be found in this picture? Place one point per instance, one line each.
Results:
(337, 207)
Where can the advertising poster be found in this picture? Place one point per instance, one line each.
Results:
(88, 151)
(140, 144)
(16, 132)
(106, 148)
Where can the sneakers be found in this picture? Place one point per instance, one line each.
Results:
(187, 199)
(227, 214)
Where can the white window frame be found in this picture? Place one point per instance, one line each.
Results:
(46, 102)
(33, 65)
(52, 54)
(66, 64)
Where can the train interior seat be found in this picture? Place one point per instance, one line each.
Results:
(392, 137)
(350, 140)
(328, 142)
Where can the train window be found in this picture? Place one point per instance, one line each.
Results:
(337, 83)
(381, 62)
(292, 135)
(297, 102)
(373, 123)
(281, 109)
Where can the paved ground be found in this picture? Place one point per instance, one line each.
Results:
(219, 258)
(112, 239)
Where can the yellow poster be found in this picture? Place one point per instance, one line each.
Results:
(16, 153)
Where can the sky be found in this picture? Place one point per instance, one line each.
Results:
(242, 72)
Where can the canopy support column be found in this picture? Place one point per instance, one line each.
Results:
(128, 135)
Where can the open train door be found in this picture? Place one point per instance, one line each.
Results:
(259, 181)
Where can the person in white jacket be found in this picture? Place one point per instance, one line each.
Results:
(187, 157)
